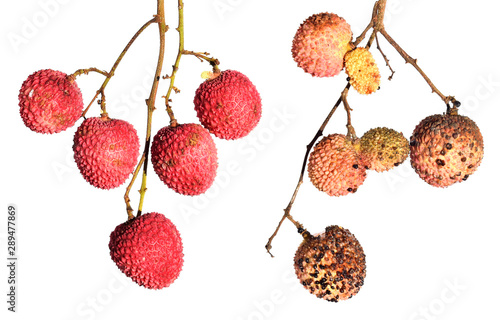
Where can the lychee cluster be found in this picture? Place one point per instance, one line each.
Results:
(446, 149)
(105, 151)
(362, 70)
(320, 44)
(185, 158)
(148, 249)
(50, 101)
(331, 265)
(335, 167)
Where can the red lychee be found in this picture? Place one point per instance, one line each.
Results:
(445, 149)
(185, 158)
(229, 105)
(106, 151)
(148, 249)
(50, 101)
(320, 44)
(335, 167)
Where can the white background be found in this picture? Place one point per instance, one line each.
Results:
(431, 253)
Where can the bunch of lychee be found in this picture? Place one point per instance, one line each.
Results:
(147, 248)
(444, 149)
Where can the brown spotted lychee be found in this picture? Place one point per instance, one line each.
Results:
(335, 167)
(320, 44)
(106, 151)
(383, 149)
(331, 265)
(50, 101)
(184, 157)
(362, 70)
(445, 149)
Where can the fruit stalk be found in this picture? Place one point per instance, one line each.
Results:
(175, 67)
(111, 73)
(150, 102)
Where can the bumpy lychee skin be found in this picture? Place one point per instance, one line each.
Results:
(335, 167)
(362, 70)
(320, 44)
(331, 265)
(105, 151)
(185, 158)
(445, 149)
(229, 105)
(148, 249)
(383, 149)
(50, 101)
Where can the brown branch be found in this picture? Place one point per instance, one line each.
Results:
(413, 62)
(385, 58)
(287, 215)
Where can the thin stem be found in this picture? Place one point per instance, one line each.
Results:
(204, 56)
(351, 134)
(150, 102)
(385, 58)
(413, 62)
(287, 215)
(175, 67)
(86, 72)
(111, 73)
(162, 28)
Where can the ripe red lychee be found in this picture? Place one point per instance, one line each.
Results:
(50, 101)
(148, 249)
(362, 70)
(331, 265)
(320, 44)
(229, 105)
(105, 151)
(185, 158)
(383, 149)
(445, 149)
(335, 166)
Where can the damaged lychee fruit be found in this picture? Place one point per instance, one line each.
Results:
(445, 149)
(228, 105)
(335, 167)
(331, 265)
(50, 101)
(148, 249)
(185, 158)
(362, 70)
(105, 151)
(383, 149)
(320, 44)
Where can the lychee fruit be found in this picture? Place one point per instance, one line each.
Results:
(50, 101)
(228, 105)
(148, 249)
(383, 149)
(106, 151)
(331, 265)
(320, 44)
(335, 166)
(445, 149)
(185, 158)
(362, 70)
